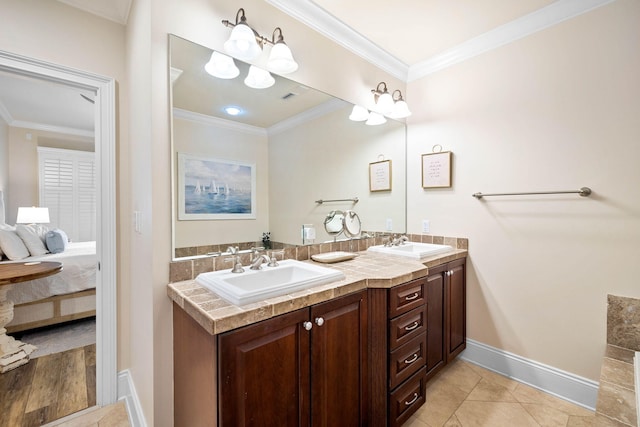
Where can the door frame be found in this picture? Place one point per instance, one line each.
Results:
(105, 148)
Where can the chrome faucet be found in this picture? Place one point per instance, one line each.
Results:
(237, 265)
(256, 264)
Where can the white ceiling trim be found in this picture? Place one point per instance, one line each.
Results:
(308, 115)
(49, 128)
(320, 20)
(541, 19)
(326, 24)
(179, 113)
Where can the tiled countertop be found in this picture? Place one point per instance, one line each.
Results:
(367, 270)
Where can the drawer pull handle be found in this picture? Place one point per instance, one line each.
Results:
(412, 297)
(413, 359)
(412, 327)
(412, 401)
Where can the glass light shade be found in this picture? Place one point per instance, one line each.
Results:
(221, 66)
(33, 215)
(242, 43)
(258, 78)
(375, 119)
(400, 110)
(384, 104)
(359, 114)
(281, 59)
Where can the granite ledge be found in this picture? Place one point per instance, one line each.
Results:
(367, 270)
(616, 403)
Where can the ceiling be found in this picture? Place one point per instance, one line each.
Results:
(448, 31)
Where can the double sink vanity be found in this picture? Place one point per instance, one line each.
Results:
(319, 343)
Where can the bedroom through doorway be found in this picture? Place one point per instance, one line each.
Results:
(51, 109)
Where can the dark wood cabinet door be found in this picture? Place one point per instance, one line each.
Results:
(263, 377)
(457, 308)
(435, 290)
(339, 362)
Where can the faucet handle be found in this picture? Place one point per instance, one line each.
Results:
(237, 265)
(232, 250)
(273, 262)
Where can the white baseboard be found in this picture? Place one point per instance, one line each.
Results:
(567, 386)
(127, 392)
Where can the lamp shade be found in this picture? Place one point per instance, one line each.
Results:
(242, 43)
(359, 114)
(258, 78)
(384, 105)
(375, 119)
(281, 59)
(221, 66)
(400, 110)
(33, 215)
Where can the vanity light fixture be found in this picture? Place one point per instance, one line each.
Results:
(359, 114)
(246, 44)
(400, 107)
(382, 98)
(222, 66)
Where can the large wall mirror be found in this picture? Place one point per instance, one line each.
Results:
(263, 169)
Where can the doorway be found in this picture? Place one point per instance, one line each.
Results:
(103, 89)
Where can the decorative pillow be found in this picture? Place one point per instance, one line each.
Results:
(12, 245)
(56, 240)
(31, 239)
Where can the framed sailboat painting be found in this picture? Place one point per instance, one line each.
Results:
(215, 189)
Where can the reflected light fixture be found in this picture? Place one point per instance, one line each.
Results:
(222, 66)
(359, 114)
(232, 110)
(375, 119)
(246, 44)
(258, 78)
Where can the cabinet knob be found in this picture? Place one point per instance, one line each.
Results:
(319, 321)
(307, 325)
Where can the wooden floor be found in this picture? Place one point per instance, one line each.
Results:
(48, 388)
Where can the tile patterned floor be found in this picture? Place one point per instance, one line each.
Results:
(466, 395)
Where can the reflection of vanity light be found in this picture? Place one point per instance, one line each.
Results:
(232, 111)
(375, 119)
(258, 78)
(221, 66)
(359, 114)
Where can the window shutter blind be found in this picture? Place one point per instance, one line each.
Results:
(67, 188)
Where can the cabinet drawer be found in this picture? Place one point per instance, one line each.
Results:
(404, 328)
(406, 297)
(406, 400)
(406, 360)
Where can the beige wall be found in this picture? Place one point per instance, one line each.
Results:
(556, 110)
(328, 158)
(56, 33)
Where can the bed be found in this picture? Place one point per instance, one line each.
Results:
(65, 296)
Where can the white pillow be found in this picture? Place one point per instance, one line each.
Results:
(12, 245)
(31, 239)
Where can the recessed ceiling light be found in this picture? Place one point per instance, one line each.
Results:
(232, 110)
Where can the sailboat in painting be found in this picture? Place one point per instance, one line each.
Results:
(198, 189)
(213, 190)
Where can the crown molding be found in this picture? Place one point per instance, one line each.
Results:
(313, 113)
(326, 24)
(50, 128)
(179, 113)
(524, 26)
(310, 14)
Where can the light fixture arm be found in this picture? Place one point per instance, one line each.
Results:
(262, 40)
(399, 98)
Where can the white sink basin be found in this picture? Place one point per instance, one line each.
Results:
(413, 250)
(257, 285)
